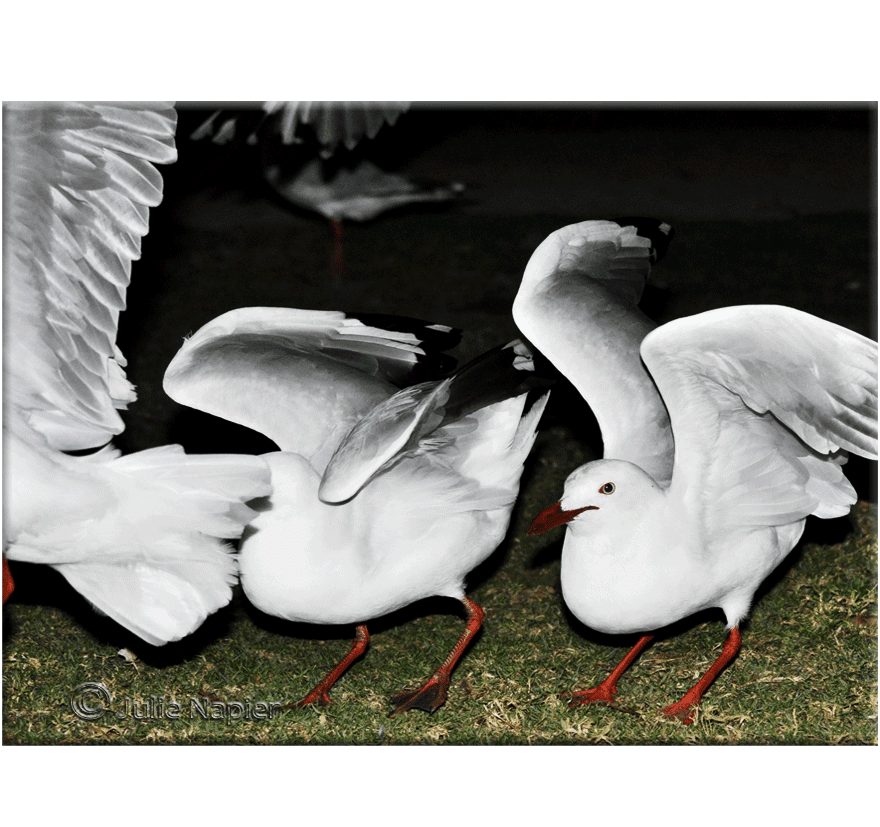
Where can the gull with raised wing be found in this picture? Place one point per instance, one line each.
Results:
(763, 404)
(140, 536)
(382, 495)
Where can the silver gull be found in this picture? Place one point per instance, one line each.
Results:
(763, 403)
(382, 495)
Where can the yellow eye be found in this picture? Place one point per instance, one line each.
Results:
(608, 488)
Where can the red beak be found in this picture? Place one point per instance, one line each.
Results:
(554, 516)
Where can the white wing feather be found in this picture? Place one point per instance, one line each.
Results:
(577, 305)
(764, 401)
(303, 378)
(78, 183)
(139, 536)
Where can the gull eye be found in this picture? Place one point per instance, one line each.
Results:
(608, 488)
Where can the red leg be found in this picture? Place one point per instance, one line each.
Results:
(604, 693)
(684, 709)
(336, 261)
(8, 584)
(431, 695)
(320, 695)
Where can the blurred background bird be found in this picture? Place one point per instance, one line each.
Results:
(313, 155)
(332, 123)
(140, 536)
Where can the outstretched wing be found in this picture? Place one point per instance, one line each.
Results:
(577, 305)
(429, 417)
(764, 402)
(78, 183)
(301, 377)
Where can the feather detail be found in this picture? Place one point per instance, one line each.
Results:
(78, 185)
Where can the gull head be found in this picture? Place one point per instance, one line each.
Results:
(600, 491)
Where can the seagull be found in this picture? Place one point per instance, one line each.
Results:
(357, 193)
(140, 536)
(330, 182)
(382, 494)
(763, 404)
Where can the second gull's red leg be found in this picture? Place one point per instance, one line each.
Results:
(684, 709)
(431, 695)
(320, 695)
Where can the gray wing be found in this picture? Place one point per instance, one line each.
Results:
(577, 305)
(430, 417)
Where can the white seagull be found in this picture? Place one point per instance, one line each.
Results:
(382, 496)
(763, 403)
(139, 535)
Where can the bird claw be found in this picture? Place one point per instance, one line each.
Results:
(429, 697)
(684, 712)
(317, 697)
(597, 695)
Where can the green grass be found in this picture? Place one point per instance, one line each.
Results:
(807, 673)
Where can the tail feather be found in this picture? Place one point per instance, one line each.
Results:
(494, 454)
(513, 399)
(202, 493)
(146, 546)
(160, 602)
(176, 570)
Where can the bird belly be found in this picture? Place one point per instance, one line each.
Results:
(617, 594)
(293, 566)
(638, 591)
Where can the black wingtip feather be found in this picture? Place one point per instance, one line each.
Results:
(435, 339)
(493, 377)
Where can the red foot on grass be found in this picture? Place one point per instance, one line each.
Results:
(604, 693)
(681, 710)
(684, 709)
(601, 694)
(320, 695)
(430, 696)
